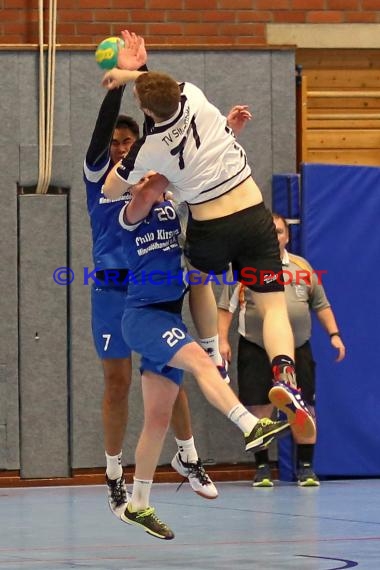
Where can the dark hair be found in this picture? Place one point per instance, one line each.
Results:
(158, 93)
(126, 122)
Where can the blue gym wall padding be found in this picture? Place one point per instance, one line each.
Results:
(340, 211)
(286, 202)
(285, 194)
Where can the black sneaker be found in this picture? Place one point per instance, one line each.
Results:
(263, 476)
(264, 432)
(117, 495)
(147, 519)
(306, 476)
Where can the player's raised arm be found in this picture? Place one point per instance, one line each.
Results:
(238, 117)
(114, 186)
(133, 54)
(144, 195)
(117, 77)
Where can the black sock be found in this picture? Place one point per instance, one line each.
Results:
(305, 453)
(283, 360)
(283, 368)
(261, 457)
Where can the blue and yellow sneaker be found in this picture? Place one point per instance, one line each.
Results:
(306, 476)
(263, 477)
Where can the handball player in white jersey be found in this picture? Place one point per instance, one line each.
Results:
(187, 140)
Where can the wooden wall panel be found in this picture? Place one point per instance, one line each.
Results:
(340, 106)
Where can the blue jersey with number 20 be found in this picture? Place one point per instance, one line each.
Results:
(154, 257)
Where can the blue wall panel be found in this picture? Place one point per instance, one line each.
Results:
(286, 202)
(340, 235)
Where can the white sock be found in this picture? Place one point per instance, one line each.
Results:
(140, 494)
(114, 468)
(242, 418)
(187, 450)
(211, 346)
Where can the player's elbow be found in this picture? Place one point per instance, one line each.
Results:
(111, 189)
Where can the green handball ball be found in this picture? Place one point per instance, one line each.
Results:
(107, 51)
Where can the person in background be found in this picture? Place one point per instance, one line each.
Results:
(303, 294)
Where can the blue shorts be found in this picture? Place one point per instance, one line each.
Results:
(107, 305)
(157, 336)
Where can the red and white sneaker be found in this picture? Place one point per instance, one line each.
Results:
(289, 401)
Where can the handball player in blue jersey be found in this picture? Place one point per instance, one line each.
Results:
(112, 138)
(153, 327)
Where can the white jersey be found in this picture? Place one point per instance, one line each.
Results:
(195, 150)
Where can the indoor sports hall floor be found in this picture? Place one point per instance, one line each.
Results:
(331, 527)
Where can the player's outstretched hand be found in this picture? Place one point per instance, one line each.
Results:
(117, 77)
(133, 55)
(238, 117)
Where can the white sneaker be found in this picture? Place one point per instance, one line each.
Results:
(199, 481)
(117, 495)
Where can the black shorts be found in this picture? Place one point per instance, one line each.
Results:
(255, 373)
(246, 239)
